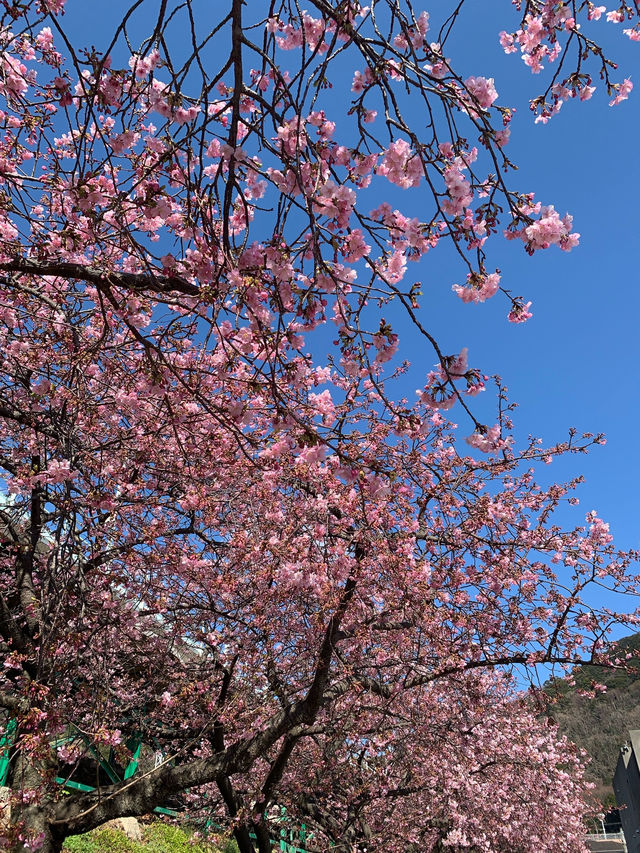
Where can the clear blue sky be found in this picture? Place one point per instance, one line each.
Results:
(575, 363)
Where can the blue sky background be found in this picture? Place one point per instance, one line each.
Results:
(575, 362)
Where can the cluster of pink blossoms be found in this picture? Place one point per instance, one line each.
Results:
(401, 165)
(14, 78)
(538, 41)
(324, 127)
(292, 136)
(520, 312)
(291, 37)
(354, 247)
(336, 202)
(617, 16)
(549, 230)
(537, 30)
(142, 66)
(55, 7)
(386, 343)
(479, 287)
(408, 234)
(488, 441)
(415, 35)
(439, 391)
(458, 187)
(623, 90)
(482, 89)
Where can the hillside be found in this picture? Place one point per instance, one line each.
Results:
(600, 725)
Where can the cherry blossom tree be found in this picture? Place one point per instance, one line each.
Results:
(225, 534)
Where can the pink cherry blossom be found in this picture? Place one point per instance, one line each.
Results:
(401, 165)
(478, 287)
(596, 12)
(550, 230)
(228, 537)
(623, 91)
(482, 89)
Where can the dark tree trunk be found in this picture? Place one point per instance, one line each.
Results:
(265, 842)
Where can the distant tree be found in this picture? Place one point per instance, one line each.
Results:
(596, 706)
(222, 533)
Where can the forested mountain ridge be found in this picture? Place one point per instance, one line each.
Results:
(600, 724)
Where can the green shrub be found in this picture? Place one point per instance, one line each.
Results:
(103, 840)
(168, 838)
(230, 846)
(158, 837)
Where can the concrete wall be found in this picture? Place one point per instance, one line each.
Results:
(626, 785)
